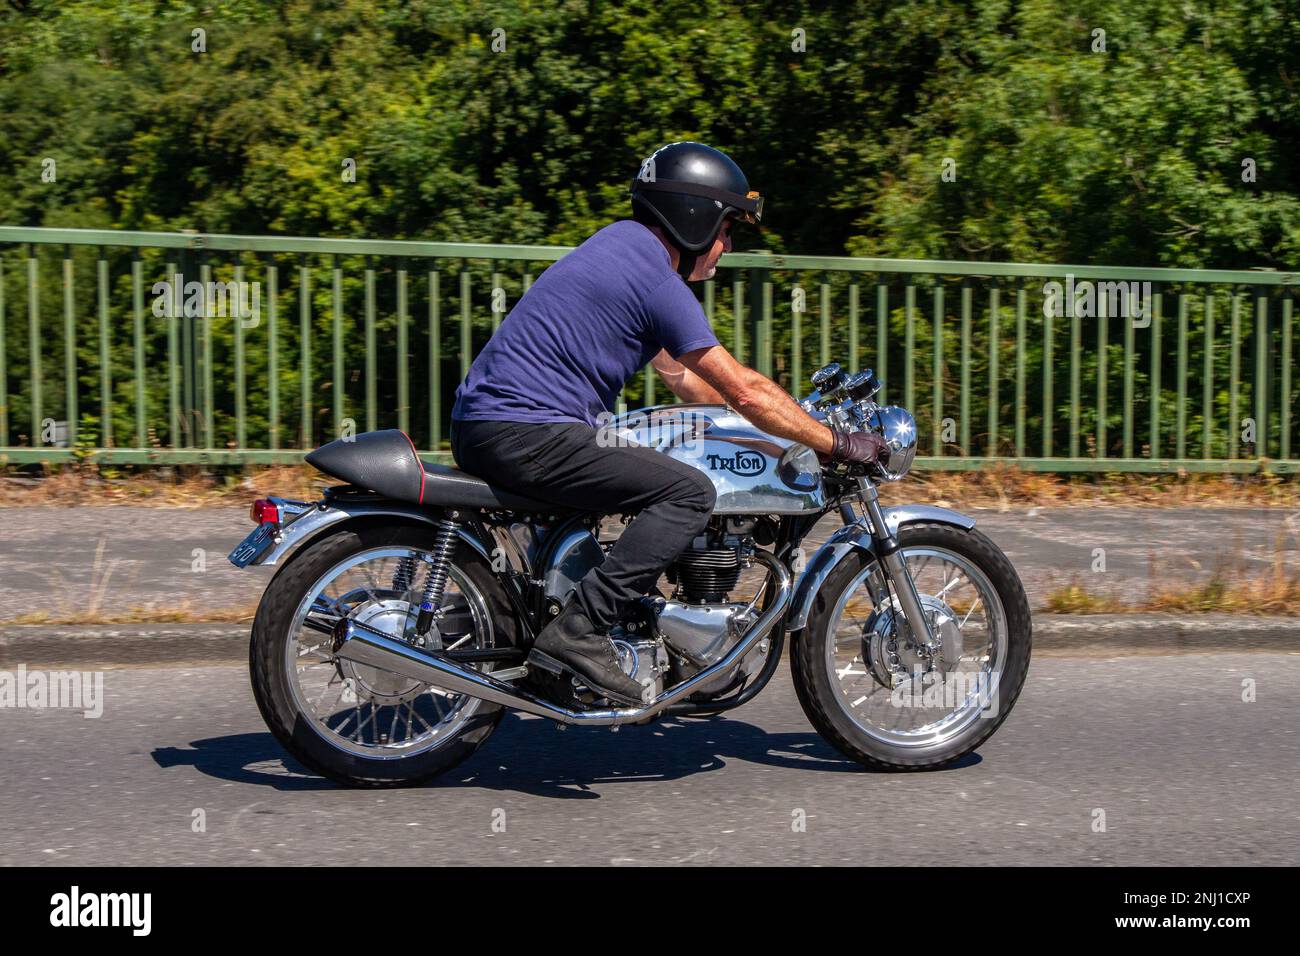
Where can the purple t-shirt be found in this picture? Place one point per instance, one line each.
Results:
(587, 325)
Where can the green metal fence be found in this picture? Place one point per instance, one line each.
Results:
(360, 334)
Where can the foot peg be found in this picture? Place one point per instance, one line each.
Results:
(541, 662)
(545, 662)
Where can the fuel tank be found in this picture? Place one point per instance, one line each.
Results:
(752, 471)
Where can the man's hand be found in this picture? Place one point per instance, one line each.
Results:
(858, 448)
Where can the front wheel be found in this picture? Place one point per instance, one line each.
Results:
(359, 725)
(881, 698)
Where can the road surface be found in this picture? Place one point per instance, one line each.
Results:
(1184, 770)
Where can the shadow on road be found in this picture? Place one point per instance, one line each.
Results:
(530, 756)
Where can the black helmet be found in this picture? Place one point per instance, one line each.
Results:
(689, 189)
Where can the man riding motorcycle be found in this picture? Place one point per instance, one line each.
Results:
(525, 417)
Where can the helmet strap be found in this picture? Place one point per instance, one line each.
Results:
(685, 263)
(685, 258)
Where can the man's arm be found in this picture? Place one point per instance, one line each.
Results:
(684, 383)
(755, 396)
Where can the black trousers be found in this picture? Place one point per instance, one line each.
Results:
(562, 462)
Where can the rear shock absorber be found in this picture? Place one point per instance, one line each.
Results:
(443, 547)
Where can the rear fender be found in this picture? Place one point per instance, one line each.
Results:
(308, 521)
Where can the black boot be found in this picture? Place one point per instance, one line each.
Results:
(572, 639)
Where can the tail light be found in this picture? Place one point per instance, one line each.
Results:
(264, 512)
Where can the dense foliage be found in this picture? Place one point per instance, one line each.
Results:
(1063, 154)
(1148, 132)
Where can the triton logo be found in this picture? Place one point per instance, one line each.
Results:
(744, 463)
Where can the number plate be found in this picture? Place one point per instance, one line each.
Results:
(253, 547)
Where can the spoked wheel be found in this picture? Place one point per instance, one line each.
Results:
(357, 724)
(875, 692)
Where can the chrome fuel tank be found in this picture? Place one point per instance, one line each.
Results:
(752, 471)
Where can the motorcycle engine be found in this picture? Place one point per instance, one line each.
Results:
(663, 640)
(698, 623)
(707, 570)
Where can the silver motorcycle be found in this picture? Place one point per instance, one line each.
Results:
(394, 634)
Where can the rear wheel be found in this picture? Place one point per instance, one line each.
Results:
(356, 724)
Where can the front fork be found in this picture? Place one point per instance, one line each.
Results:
(891, 559)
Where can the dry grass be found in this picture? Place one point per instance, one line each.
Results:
(181, 488)
(1274, 591)
(1003, 487)
(180, 613)
(1074, 598)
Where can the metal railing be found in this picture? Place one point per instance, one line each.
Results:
(1199, 380)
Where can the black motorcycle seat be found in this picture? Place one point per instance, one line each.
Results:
(386, 462)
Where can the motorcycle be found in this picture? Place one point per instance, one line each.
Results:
(393, 636)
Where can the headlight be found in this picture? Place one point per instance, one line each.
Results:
(897, 426)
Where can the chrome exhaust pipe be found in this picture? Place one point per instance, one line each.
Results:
(365, 645)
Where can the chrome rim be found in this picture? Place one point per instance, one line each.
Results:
(363, 710)
(885, 684)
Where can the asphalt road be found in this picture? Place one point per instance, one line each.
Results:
(1184, 770)
(84, 562)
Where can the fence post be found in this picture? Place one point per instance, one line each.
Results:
(1207, 383)
(966, 296)
(340, 390)
(34, 343)
(995, 305)
(209, 426)
(105, 359)
(853, 328)
(4, 365)
(1049, 410)
(137, 306)
(936, 444)
(1157, 310)
(909, 346)
(1284, 409)
(1021, 296)
(1260, 386)
(69, 348)
(372, 387)
(1076, 375)
(403, 384)
(273, 352)
(825, 330)
(1180, 446)
(435, 361)
(1234, 373)
(466, 318)
(304, 333)
(882, 339)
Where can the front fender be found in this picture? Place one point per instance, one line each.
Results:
(314, 519)
(858, 536)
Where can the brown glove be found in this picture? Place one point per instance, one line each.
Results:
(857, 447)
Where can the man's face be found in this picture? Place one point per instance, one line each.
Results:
(707, 264)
